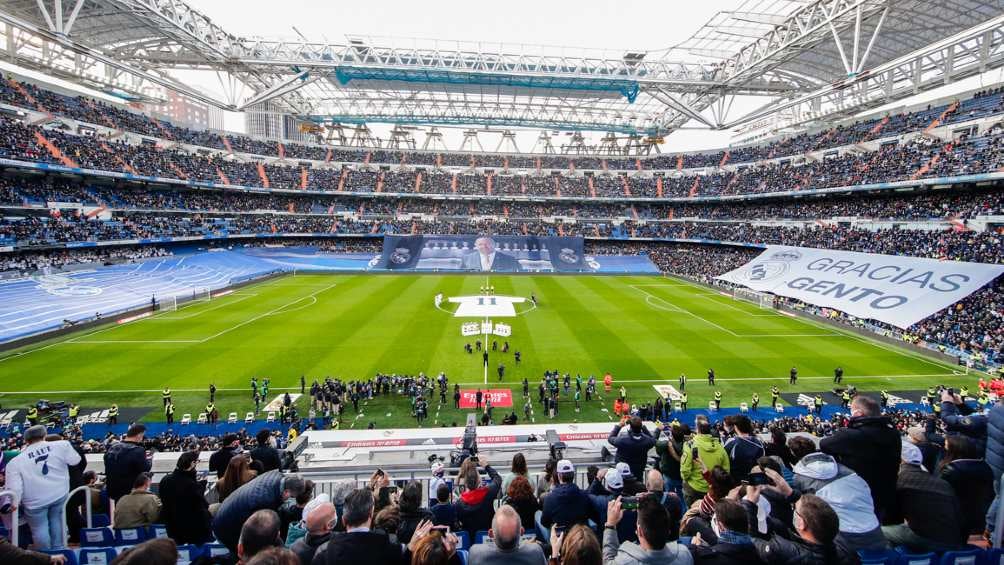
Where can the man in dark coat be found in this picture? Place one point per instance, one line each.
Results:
(266, 491)
(735, 546)
(932, 514)
(319, 521)
(124, 461)
(870, 446)
(185, 511)
(218, 461)
(358, 544)
(995, 458)
(567, 504)
(633, 447)
(266, 453)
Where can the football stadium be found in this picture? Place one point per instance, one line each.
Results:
(491, 284)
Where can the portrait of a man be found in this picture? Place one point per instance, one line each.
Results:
(486, 257)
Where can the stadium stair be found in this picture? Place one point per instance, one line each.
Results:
(263, 175)
(54, 151)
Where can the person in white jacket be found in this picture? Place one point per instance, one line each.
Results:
(40, 479)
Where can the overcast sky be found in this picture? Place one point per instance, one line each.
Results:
(625, 25)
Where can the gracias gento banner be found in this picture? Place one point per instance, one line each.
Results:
(897, 290)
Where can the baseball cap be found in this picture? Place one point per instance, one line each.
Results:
(624, 469)
(613, 479)
(437, 468)
(911, 454)
(565, 466)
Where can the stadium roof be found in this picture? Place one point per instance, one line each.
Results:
(808, 60)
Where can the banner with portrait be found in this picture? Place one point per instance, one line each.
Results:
(482, 253)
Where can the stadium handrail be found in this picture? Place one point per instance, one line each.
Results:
(13, 516)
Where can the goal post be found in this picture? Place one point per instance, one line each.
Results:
(167, 303)
(764, 300)
(202, 295)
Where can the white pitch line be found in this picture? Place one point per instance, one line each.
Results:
(270, 312)
(712, 297)
(240, 298)
(685, 311)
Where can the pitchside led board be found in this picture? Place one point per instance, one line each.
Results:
(474, 253)
(890, 288)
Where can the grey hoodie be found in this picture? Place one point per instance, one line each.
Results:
(630, 553)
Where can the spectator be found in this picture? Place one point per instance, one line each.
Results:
(520, 498)
(438, 471)
(632, 446)
(697, 519)
(847, 494)
(412, 513)
(933, 517)
(744, 448)
(504, 545)
(259, 532)
(735, 546)
(264, 492)
(388, 520)
(778, 447)
(433, 548)
(124, 461)
(813, 540)
(577, 546)
(669, 447)
(358, 544)
(185, 511)
(518, 469)
(230, 446)
(237, 474)
(444, 513)
(319, 521)
(566, 504)
(39, 477)
(140, 508)
(10, 554)
(653, 536)
(160, 551)
(869, 446)
(274, 556)
(703, 451)
(266, 453)
(613, 487)
(475, 507)
(800, 446)
(291, 512)
(673, 503)
(963, 467)
(549, 479)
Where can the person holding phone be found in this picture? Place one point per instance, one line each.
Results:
(703, 451)
(653, 535)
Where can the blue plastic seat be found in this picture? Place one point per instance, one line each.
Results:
(96, 537)
(994, 556)
(884, 557)
(480, 536)
(465, 540)
(101, 520)
(462, 554)
(155, 531)
(215, 550)
(130, 536)
(71, 557)
(188, 553)
(97, 555)
(972, 556)
(906, 558)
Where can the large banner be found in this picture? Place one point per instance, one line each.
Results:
(897, 290)
(497, 254)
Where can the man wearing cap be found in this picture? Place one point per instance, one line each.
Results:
(566, 504)
(633, 446)
(610, 483)
(933, 517)
(438, 470)
(40, 479)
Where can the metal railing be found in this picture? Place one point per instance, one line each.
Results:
(88, 511)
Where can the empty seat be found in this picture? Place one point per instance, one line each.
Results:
(249, 418)
(97, 555)
(186, 419)
(232, 418)
(96, 537)
(188, 553)
(130, 536)
(203, 418)
(156, 531)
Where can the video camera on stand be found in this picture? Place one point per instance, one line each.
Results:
(469, 445)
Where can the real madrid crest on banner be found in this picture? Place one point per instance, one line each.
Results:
(568, 255)
(400, 256)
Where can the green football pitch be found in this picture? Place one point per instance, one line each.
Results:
(645, 331)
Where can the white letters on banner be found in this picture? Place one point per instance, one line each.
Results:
(503, 330)
(470, 328)
(897, 290)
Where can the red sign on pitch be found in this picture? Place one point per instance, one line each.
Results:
(501, 398)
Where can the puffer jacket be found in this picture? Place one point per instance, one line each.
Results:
(264, 491)
(995, 440)
(972, 481)
(870, 446)
(124, 461)
(841, 488)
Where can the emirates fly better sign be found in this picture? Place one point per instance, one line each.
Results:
(897, 290)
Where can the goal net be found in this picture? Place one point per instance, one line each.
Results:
(762, 299)
(202, 295)
(167, 304)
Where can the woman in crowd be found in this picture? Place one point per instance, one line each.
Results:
(520, 497)
(971, 478)
(238, 474)
(547, 481)
(518, 470)
(578, 546)
(412, 513)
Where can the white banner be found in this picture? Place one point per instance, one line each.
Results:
(470, 328)
(503, 330)
(897, 290)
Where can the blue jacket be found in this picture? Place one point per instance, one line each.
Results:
(567, 505)
(632, 449)
(995, 440)
(973, 426)
(264, 491)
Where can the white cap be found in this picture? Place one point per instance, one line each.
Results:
(613, 479)
(624, 469)
(437, 468)
(565, 466)
(911, 453)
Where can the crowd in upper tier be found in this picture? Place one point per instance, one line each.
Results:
(980, 104)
